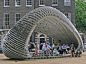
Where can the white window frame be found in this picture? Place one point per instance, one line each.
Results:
(16, 4)
(54, 4)
(40, 4)
(69, 15)
(16, 17)
(4, 25)
(6, 5)
(67, 0)
(28, 5)
(67, 3)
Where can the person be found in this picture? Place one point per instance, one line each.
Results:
(67, 48)
(57, 52)
(31, 46)
(72, 45)
(41, 46)
(60, 50)
(36, 50)
(59, 43)
(46, 49)
(51, 49)
(48, 44)
(72, 50)
(53, 45)
(34, 44)
(64, 48)
(84, 45)
(78, 52)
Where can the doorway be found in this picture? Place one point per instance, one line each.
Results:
(42, 40)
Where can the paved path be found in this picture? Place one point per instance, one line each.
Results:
(77, 60)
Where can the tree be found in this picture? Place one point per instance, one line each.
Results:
(80, 14)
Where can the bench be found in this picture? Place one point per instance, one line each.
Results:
(41, 53)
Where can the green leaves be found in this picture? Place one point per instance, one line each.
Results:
(80, 12)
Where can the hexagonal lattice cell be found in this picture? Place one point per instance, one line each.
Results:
(47, 20)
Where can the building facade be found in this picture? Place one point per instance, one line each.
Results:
(13, 10)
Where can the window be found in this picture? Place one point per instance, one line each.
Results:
(6, 3)
(17, 3)
(54, 2)
(17, 17)
(67, 2)
(68, 15)
(41, 3)
(6, 21)
(28, 2)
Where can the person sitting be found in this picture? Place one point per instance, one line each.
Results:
(60, 50)
(67, 48)
(59, 43)
(46, 49)
(41, 46)
(64, 48)
(31, 46)
(53, 45)
(44, 45)
(56, 44)
(78, 52)
(36, 50)
(57, 52)
(51, 49)
(34, 44)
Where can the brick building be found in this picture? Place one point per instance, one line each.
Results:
(12, 10)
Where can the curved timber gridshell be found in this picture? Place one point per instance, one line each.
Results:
(47, 20)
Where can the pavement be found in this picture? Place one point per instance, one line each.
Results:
(68, 60)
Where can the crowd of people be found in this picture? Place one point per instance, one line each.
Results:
(58, 47)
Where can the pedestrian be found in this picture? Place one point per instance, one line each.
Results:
(72, 50)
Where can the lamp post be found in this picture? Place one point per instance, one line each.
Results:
(83, 36)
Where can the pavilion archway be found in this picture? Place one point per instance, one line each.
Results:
(46, 20)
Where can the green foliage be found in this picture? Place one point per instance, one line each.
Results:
(80, 12)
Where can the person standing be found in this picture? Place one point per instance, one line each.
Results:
(72, 50)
